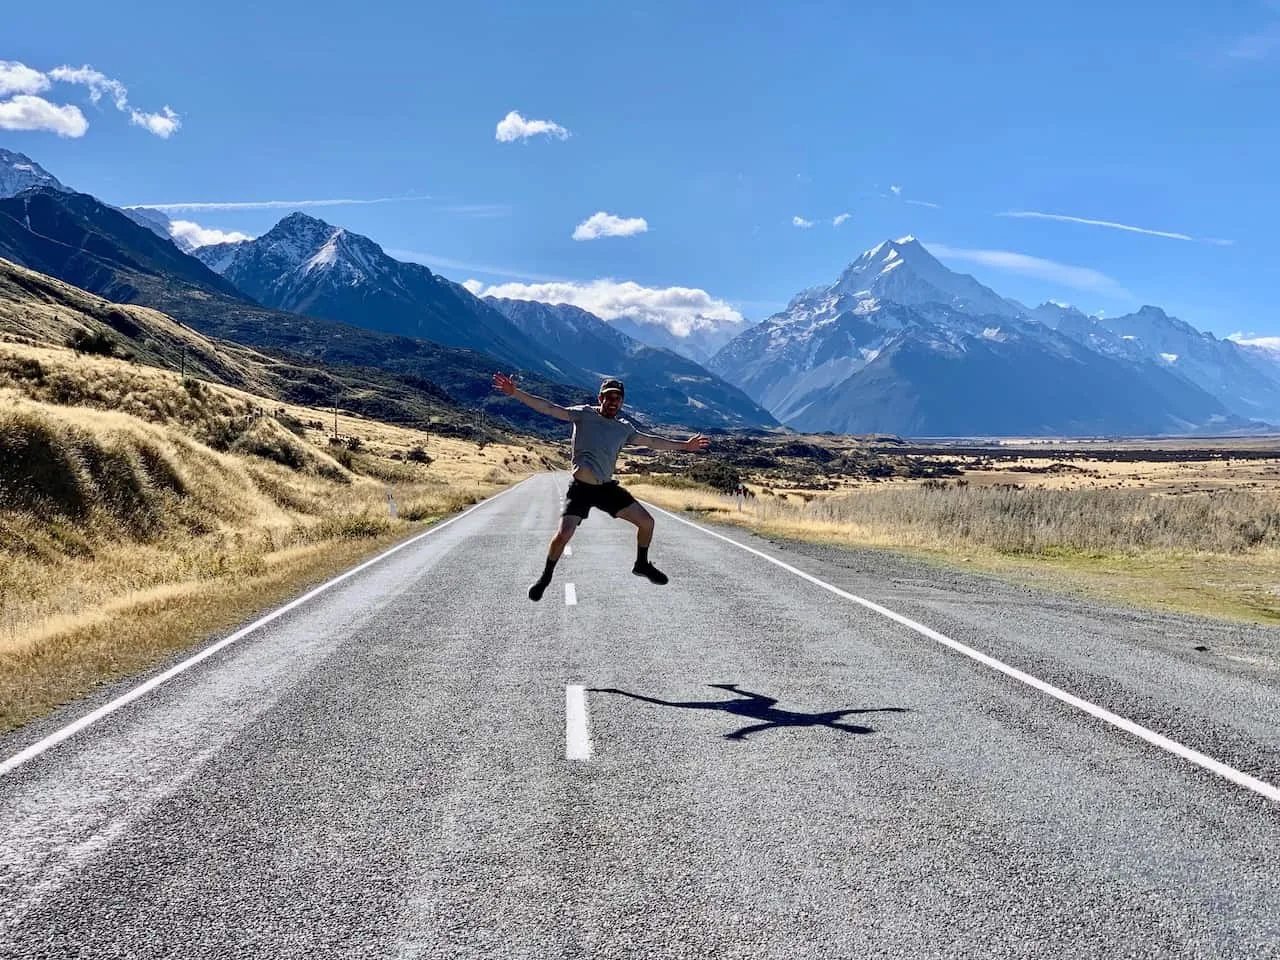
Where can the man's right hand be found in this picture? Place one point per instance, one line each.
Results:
(504, 383)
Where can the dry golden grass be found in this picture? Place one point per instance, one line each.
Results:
(1214, 553)
(139, 513)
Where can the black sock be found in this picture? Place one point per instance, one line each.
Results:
(642, 556)
(546, 571)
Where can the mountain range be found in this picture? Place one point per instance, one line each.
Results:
(898, 343)
(334, 295)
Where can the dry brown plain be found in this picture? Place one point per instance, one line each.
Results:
(1172, 524)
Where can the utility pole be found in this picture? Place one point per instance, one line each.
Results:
(335, 419)
(184, 360)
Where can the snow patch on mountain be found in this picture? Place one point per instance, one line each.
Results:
(19, 172)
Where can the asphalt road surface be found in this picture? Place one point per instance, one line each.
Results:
(419, 762)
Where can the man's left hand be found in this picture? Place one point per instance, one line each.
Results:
(697, 444)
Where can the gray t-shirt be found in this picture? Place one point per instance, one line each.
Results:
(597, 440)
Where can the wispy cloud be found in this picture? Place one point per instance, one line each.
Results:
(801, 222)
(440, 263)
(840, 218)
(681, 310)
(514, 127)
(27, 112)
(480, 210)
(1259, 45)
(1065, 274)
(896, 190)
(97, 82)
(268, 204)
(607, 225)
(1112, 225)
(923, 203)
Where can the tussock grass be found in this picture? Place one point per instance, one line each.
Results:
(1215, 552)
(1043, 521)
(1016, 521)
(139, 513)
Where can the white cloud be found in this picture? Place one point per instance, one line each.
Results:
(17, 77)
(162, 124)
(197, 236)
(923, 203)
(25, 112)
(607, 225)
(265, 204)
(515, 127)
(801, 222)
(1269, 344)
(840, 218)
(473, 285)
(97, 82)
(680, 309)
(1068, 275)
(896, 190)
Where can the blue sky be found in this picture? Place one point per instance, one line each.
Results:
(723, 126)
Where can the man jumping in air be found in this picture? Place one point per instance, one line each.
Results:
(598, 438)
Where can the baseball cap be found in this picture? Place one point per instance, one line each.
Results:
(612, 384)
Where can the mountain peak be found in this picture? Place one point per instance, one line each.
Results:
(904, 271)
(301, 221)
(19, 172)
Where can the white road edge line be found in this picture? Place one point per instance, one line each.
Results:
(55, 738)
(577, 740)
(570, 595)
(1237, 777)
(568, 549)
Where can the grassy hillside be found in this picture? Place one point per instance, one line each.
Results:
(141, 511)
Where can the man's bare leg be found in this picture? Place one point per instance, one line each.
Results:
(639, 516)
(567, 527)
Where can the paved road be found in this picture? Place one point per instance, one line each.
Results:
(775, 770)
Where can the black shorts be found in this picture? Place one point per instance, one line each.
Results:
(610, 497)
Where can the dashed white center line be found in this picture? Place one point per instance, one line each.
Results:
(570, 595)
(577, 740)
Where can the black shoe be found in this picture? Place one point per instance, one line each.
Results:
(647, 569)
(538, 589)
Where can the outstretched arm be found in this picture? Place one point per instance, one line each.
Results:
(508, 386)
(695, 444)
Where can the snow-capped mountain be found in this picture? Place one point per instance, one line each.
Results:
(19, 172)
(307, 266)
(903, 271)
(1243, 381)
(661, 384)
(900, 344)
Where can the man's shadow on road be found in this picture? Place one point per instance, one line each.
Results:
(756, 706)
